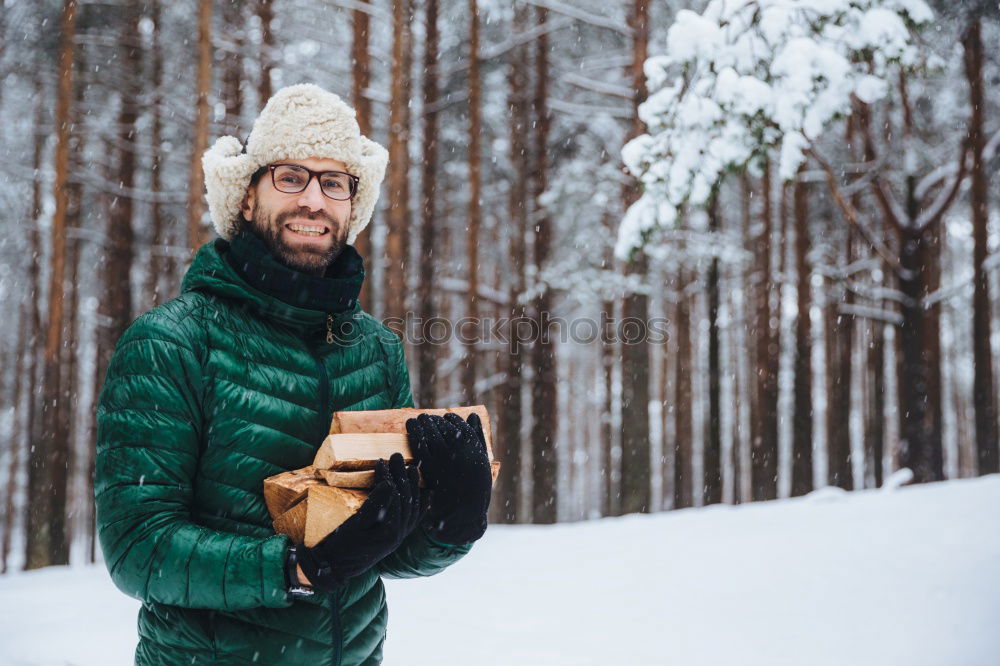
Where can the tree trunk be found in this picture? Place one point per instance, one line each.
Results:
(917, 339)
(159, 264)
(669, 367)
(764, 445)
(46, 529)
(839, 374)
(232, 72)
(66, 409)
(934, 241)
(610, 500)
(636, 470)
(360, 80)
(712, 489)
(683, 398)
(745, 424)
(25, 336)
(472, 225)
(511, 407)
(544, 400)
(427, 356)
(265, 12)
(802, 419)
(68, 383)
(917, 451)
(121, 234)
(398, 215)
(195, 202)
(875, 439)
(34, 325)
(984, 391)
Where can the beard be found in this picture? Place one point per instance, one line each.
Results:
(307, 259)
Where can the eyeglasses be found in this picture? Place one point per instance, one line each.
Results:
(292, 179)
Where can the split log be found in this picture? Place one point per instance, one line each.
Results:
(359, 479)
(394, 420)
(366, 478)
(284, 490)
(328, 508)
(293, 521)
(360, 451)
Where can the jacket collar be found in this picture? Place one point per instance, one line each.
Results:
(335, 292)
(244, 271)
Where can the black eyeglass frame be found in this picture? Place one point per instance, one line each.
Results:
(352, 179)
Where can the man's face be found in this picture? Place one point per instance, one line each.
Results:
(304, 231)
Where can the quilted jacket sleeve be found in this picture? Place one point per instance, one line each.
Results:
(149, 426)
(419, 554)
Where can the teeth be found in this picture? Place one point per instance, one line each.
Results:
(309, 231)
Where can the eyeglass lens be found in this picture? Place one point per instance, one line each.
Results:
(292, 179)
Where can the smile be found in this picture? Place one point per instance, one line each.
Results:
(307, 229)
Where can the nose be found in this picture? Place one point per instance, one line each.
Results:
(312, 197)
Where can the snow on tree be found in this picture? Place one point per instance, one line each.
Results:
(752, 77)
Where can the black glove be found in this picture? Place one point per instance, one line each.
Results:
(456, 468)
(390, 513)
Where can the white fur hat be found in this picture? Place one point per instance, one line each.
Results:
(298, 122)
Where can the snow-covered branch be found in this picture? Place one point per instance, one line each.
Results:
(588, 110)
(853, 215)
(370, 8)
(485, 292)
(753, 78)
(931, 214)
(887, 201)
(868, 312)
(603, 87)
(100, 185)
(530, 35)
(581, 15)
(927, 183)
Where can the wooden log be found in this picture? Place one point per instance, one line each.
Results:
(328, 508)
(360, 451)
(359, 479)
(394, 420)
(366, 478)
(293, 521)
(284, 490)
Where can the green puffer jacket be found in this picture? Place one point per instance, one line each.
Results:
(205, 397)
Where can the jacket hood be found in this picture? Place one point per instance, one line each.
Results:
(211, 272)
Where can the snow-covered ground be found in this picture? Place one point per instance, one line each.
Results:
(883, 578)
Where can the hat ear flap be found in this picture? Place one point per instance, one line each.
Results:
(227, 174)
(370, 170)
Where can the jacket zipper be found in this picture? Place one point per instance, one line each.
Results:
(324, 398)
(324, 379)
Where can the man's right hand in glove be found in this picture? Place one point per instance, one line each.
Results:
(390, 513)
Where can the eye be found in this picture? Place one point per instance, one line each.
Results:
(289, 175)
(337, 183)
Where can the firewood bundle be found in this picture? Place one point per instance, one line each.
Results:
(309, 503)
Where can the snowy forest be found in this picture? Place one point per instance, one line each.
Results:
(685, 253)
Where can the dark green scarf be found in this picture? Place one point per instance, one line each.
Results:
(335, 292)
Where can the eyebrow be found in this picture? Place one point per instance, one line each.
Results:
(344, 170)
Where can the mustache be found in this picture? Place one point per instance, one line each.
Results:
(307, 214)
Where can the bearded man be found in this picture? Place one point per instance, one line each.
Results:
(236, 380)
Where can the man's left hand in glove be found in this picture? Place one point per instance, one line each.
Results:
(456, 468)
